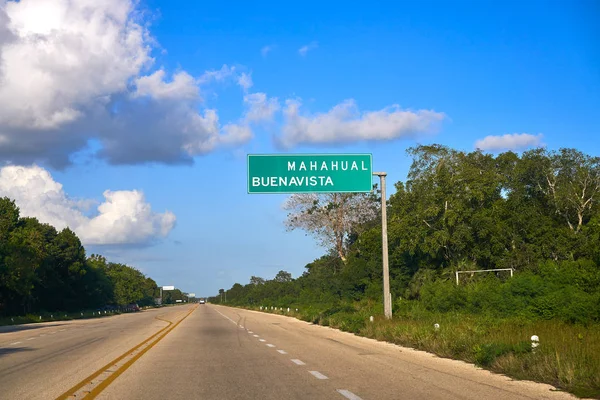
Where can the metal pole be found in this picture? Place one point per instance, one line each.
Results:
(387, 296)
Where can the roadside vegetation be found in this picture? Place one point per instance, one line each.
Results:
(106, 311)
(45, 273)
(536, 213)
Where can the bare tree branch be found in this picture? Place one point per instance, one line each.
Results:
(331, 217)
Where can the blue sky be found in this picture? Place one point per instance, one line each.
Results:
(491, 68)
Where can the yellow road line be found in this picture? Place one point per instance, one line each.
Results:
(98, 389)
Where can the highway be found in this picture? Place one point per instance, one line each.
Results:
(215, 352)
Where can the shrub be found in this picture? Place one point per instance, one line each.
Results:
(443, 296)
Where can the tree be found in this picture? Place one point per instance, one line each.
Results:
(256, 280)
(45, 270)
(446, 213)
(95, 287)
(9, 218)
(569, 179)
(25, 255)
(130, 285)
(172, 296)
(283, 276)
(331, 218)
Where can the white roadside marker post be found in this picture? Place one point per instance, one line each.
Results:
(535, 342)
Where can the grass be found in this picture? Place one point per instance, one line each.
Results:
(55, 316)
(60, 316)
(568, 356)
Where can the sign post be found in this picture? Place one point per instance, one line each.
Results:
(387, 296)
(322, 173)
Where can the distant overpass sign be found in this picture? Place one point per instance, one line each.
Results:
(309, 173)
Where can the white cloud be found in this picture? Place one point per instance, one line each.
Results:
(66, 56)
(218, 75)
(123, 218)
(245, 81)
(306, 48)
(72, 71)
(260, 107)
(514, 141)
(181, 87)
(236, 133)
(227, 73)
(345, 123)
(266, 50)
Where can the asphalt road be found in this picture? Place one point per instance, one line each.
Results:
(225, 353)
(42, 361)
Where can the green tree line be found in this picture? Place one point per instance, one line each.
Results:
(42, 269)
(537, 213)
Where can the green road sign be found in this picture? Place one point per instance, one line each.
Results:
(309, 173)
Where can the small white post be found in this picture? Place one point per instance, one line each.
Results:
(436, 326)
(457, 278)
(535, 342)
(371, 318)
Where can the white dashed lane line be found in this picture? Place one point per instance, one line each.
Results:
(39, 336)
(227, 317)
(318, 375)
(348, 394)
